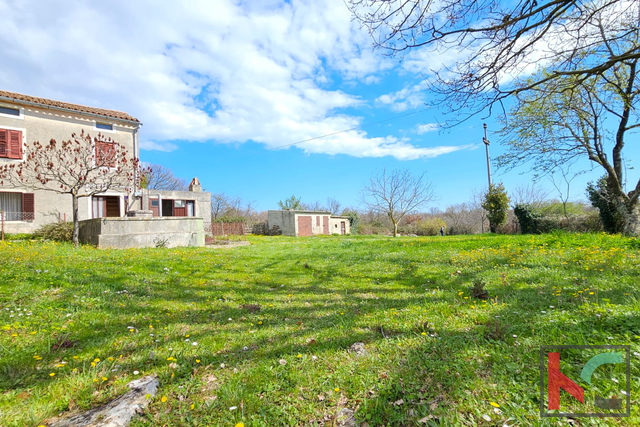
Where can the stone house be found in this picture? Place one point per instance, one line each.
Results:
(307, 223)
(26, 118)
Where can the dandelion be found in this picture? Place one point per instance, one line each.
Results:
(197, 360)
(52, 374)
(104, 378)
(337, 389)
(260, 322)
(424, 333)
(193, 405)
(494, 404)
(591, 293)
(299, 356)
(239, 425)
(164, 399)
(96, 360)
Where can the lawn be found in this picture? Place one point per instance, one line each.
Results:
(263, 334)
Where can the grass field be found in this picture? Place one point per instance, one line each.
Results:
(262, 334)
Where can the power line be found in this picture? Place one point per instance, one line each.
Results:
(354, 128)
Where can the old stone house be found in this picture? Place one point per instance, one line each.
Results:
(26, 118)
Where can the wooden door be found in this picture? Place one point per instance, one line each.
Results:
(343, 227)
(304, 226)
(325, 225)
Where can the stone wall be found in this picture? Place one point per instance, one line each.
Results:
(142, 232)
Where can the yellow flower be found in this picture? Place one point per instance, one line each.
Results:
(591, 293)
(424, 333)
(52, 374)
(299, 355)
(197, 360)
(239, 425)
(193, 405)
(164, 399)
(104, 378)
(96, 360)
(494, 404)
(337, 389)
(260, 322)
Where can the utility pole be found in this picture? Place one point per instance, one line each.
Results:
(486, 146)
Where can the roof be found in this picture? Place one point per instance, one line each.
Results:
(19, 98)
(302, 212)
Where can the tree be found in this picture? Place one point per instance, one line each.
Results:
(494, 41)
(607, 203)
(81, 167)
(293, 203)
(333, 206)
(397, 193)
(229, 209)
(561, 122)
(158, 177)
(496, 203)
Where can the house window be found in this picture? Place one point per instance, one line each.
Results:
(10, 111)
(10, 144)
(104, 126)
(17, 206)
(105, 154)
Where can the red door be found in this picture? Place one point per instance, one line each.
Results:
(325, 225)
(304, 226)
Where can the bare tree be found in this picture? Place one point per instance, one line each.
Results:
(396, 194)
(494, 41)
(333, 205)
(158, 177)
(81, 167)
(529, 194)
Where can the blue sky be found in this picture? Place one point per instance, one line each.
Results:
(221, 85)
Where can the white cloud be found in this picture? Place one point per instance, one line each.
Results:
(427, 127)
(225, 71)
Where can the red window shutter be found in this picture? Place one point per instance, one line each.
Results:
(28, 206)
(4, 146)
(15, 144)
(105, 154)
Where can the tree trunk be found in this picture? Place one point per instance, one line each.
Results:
(395, 228)
(632, 221)
(76, 225)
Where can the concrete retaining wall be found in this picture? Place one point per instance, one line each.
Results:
(142, 232)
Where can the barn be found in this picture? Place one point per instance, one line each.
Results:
(308, 223)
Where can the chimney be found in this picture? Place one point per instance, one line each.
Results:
(195, 186)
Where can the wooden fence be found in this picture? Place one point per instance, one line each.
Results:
(229, 228)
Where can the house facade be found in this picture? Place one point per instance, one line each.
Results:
(307, 223)
(25, 119)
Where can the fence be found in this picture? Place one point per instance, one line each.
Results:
(228, 228)
(17, 216)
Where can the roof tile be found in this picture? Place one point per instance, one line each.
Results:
(65, 105)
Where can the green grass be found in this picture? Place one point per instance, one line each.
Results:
(434, 352)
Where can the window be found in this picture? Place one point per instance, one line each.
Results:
(17, 206)
(180, 204)
(104, 126)
(105, 154)
(10, 111)
(10, 144)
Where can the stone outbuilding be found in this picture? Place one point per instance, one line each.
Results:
(308, 223)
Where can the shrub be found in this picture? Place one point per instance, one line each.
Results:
(60, 231)
(430, 227)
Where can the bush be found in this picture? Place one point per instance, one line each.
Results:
(430, 227)
(59, 231)
(18, 236)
